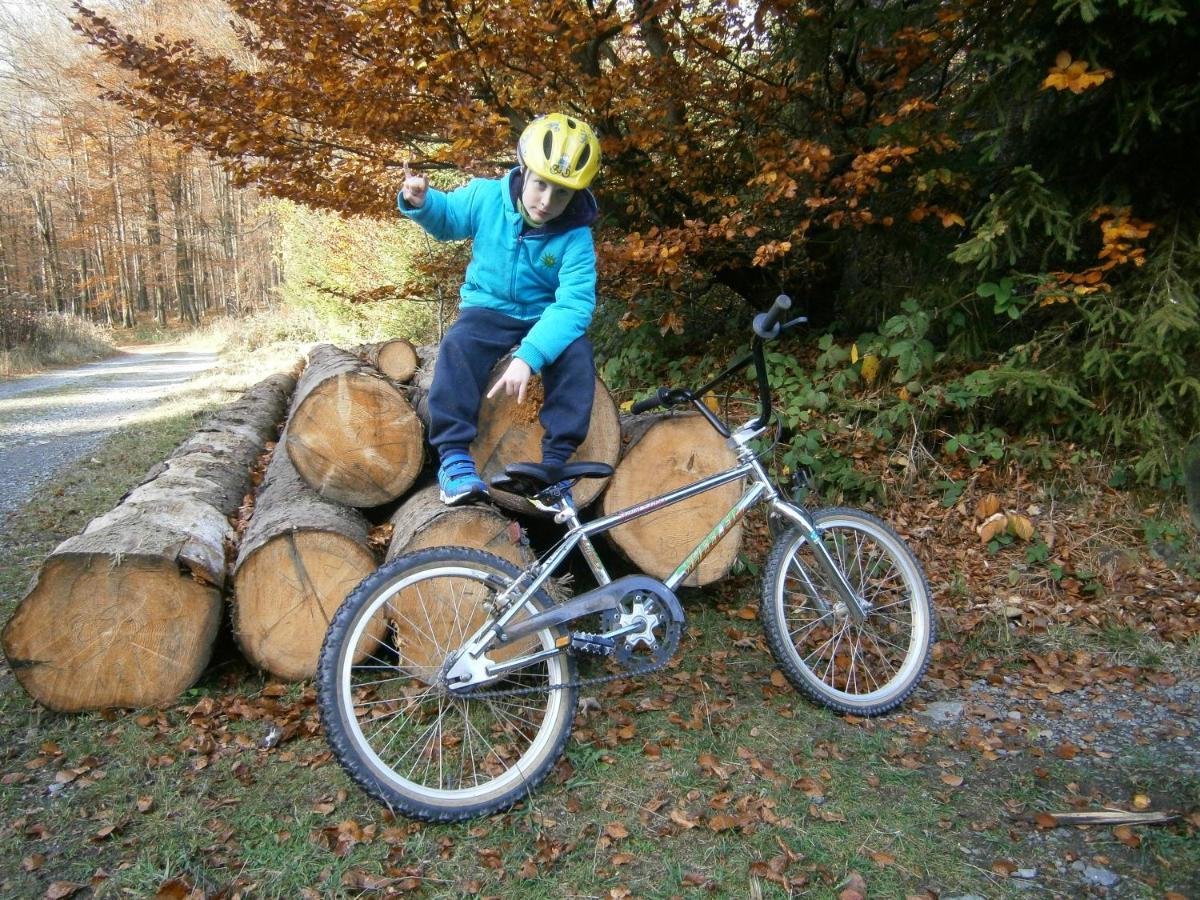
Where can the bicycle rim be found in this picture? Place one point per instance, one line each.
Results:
(417, 740)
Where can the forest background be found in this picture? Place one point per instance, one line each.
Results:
(983, 205)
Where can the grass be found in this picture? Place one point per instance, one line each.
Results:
(124, 802)
(56, 340)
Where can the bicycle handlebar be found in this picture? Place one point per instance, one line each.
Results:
(767, 326)
(650, 402)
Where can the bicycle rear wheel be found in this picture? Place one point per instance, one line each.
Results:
(389, 718)
(868, 668)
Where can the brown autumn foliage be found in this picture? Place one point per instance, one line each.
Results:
(724, 146)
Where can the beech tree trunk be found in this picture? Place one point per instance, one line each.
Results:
(665, 451)
(395, 358)
(352, 434)
(125, 613)
(510, 432)
(300, 557)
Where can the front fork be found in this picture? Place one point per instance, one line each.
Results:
(857, 607)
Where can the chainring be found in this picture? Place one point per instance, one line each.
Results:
(656, 643)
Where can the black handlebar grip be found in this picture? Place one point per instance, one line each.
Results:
(651, 402)
(766, 325)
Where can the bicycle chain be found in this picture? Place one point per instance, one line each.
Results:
(579, 682)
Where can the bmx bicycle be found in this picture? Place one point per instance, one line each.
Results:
(448, 682)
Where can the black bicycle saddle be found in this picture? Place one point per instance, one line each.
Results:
(528, 479)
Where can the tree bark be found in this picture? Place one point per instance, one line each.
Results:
(664, 452)
(300, 557)
(352, 434)
(510, 432)
(125, 613)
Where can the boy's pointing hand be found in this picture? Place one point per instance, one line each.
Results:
(414, 188)
(514, 380)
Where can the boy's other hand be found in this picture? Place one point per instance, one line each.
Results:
(414, 188)
(514, 380)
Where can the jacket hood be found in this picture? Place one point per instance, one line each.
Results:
(580, 212)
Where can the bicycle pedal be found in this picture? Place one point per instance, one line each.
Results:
(592, 644)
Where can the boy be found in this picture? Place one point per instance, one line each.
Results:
(530, 284)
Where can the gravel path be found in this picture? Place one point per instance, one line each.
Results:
(50, 420)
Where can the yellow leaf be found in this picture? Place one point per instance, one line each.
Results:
(1063, 59)
(1021, 527)
(988, 506)
(992, 528)
(853, 354)
(870, 368)
(711, 402)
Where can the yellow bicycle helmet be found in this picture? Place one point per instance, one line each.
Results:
(561, 149)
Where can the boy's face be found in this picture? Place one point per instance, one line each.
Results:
(543, 200)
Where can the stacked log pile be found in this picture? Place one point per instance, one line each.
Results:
(125, 614)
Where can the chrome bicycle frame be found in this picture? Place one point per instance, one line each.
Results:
(579, 535)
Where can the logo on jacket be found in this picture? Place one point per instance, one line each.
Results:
(548, 260)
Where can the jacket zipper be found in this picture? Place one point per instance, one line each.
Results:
(512, 289)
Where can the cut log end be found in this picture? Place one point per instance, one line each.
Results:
(397, 359)
(356, 440)
(510, 432)
(287, 592)
(673, 452)
(97, 631)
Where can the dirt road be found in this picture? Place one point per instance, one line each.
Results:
(50, 420)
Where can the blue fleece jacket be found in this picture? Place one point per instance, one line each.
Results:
(547, 274)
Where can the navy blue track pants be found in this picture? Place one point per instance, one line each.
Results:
(472, 346)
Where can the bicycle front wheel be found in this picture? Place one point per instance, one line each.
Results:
(862, 668)
(388, 715)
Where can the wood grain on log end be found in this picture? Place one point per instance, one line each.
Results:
(288, 590)
(355, 439)
(665, 453)
(510, 432)
(99, 631)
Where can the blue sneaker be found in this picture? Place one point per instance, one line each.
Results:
(458, 479)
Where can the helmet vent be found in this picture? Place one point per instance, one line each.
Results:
(584, 157)
(571, 123)
(547, 141)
